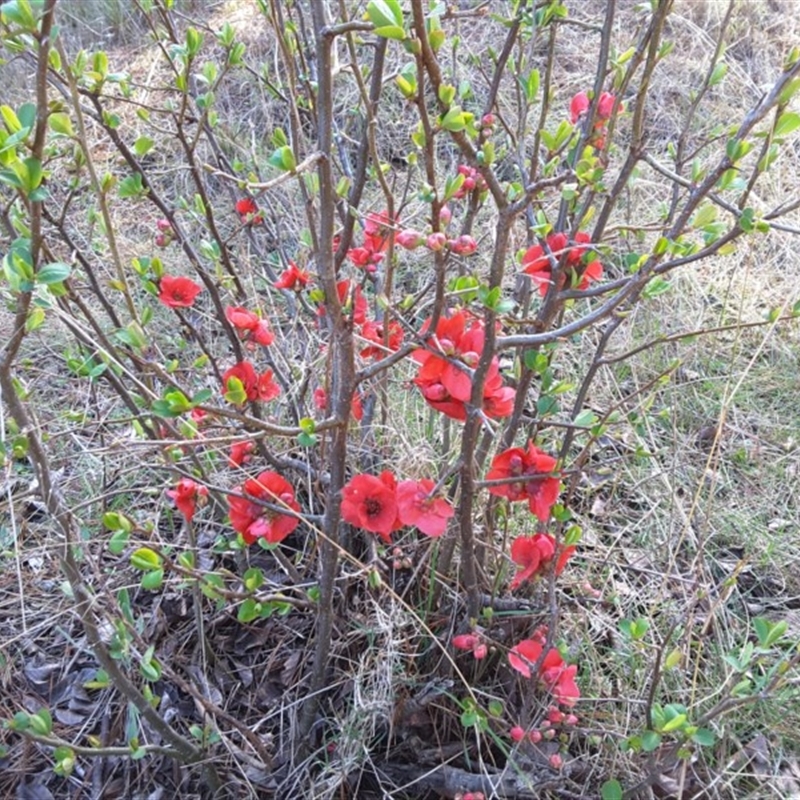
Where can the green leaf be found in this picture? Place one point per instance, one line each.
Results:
(650, 741)
(454, 120)
(56, 272)
(145, 559)
(153, 580)
(762, 628)
(118, 542)
(60, 123)
(41, 722)
(27, 115)
(101, 680)
(143, 145)
(391, 32)
(283, 158)
(249, 610)
(115, 521)
(385, 14)
(674, 724)
(787, 123)
(611, 790)
(252, 579)
(704, 737)
(132, 186)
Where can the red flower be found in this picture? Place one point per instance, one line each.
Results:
(241, 452)
(466, 641)
(321, 399)
(267, 388)
(446, 380)
(352, 300)
(527, 472)
(247, 209)
(535, 554)
(178, 292)
(370, 503)
(254, 520)
(250, 326)
(554, 673)
(417, 507)
(373, 332)
(246, 373)
(530, 553)
(578, 106)
(365, 258)
(471, 641)
(537, 264)
(187, 496)
(378, 231)
(256, 387)
(292, 278)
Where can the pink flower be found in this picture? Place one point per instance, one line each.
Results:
(463, 246)
(466, 641)
(417, 507)
(436, 241)
(517, 734)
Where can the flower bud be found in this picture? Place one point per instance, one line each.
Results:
(436, 241)
(517, 734)
(410, 239)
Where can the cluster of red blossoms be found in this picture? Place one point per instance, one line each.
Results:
(251, 328)
(556, 676)
(379, 504)
(255, 520)
(538, 263)
(527, 474)
(445, 373)
(473, 181)
(256, 387)
(579, 106)
(248, 212)
(378, 233)
(293, 278)
(473, 642)
(188, 494)
(535, 555)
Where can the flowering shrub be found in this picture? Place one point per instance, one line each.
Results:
(457, 333)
